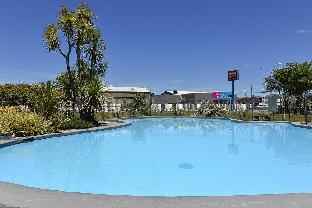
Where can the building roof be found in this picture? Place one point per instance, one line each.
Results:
(127, 89)
(183, 92)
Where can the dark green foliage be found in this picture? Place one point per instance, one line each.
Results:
(81, 84)
(62, 121)
(42, 98)
(293, 82)
(74, 98)
(45, 99)
(15, 94)
(139, 106)
(102, 116)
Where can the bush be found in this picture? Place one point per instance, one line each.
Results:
(45, 99)
(17, 122)
(138, 107)
(208, 109)
(102, 116)
(42, 98)
(15, 94)
(61, 121)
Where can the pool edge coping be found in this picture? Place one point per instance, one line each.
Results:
(296, 124)
(19, 140)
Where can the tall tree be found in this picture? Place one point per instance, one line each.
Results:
(60, 38)
(84, 22)
(292, 81)
(278, 81)
(83, 81)
(302, 84)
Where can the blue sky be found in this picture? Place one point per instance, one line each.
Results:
(166, 44)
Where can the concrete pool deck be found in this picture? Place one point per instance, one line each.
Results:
(23, 197)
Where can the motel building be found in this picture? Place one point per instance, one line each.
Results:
(188, 100)
(118, 97)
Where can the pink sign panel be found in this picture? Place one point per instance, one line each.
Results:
(216, 95)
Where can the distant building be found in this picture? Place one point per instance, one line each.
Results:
(192, 97)
(188, 100)
(273, 102)
(265, 102)
(122, 96)
(181, 97)
(189, 97)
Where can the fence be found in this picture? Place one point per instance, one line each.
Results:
(191, 107)
(114, 107)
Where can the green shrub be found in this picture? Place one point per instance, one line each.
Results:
(15, 94)
(209, 109)
(45, 99)
(138, 107)
(42, 98)
(61, 121)
(102, 116)
(16, 122)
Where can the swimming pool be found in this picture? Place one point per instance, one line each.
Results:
(168, 157)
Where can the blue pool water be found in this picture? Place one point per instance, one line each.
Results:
(168, 157)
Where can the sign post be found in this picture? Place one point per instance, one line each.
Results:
(233, 75)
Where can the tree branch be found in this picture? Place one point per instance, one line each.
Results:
(61, 52)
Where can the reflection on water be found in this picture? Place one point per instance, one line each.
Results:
(287, 142)
(186, 166)
(233, 147)
(290, 144)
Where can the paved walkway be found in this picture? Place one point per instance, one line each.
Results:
(23, 197)
(3, 206)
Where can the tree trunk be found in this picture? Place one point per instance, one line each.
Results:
(93, 61)
(71, 83)
(288, 109)
(78, 57)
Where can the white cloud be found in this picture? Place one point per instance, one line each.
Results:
(177, 81)
(303, 31)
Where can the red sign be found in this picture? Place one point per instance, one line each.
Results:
(233, 75)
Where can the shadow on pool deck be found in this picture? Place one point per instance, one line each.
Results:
(19, 196)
